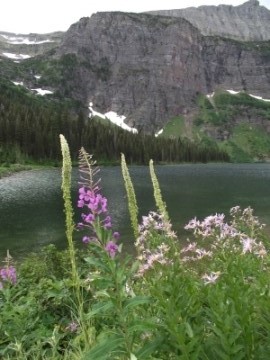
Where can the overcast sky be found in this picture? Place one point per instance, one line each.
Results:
(42, 16)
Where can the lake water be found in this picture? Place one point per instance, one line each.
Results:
(31, 206)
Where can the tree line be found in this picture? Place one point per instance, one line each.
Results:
(30, 127)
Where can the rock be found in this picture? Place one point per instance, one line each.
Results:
(152, 68)
(246, 22)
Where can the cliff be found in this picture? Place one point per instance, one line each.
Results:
(151, 68)
(246, 22)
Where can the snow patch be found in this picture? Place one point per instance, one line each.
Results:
(159, 133)
(258, 97)
(233, 92)
(95, 113)
(113, 117)
(17, 40)
(37, 76)
(254, 96)
(210, 95)
(16, 56)
(42, 92)
(18, 83)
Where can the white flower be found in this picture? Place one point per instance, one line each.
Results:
(248, 244)
(211, 278)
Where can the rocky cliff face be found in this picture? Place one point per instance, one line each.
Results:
(141, 66)
(151, 68)
(247, 22)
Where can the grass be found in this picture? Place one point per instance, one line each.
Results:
(221, 114)
(248, 143)
(174, 128)
(11, 169)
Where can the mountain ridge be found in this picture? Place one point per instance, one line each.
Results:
(246, 22)
(150, 68)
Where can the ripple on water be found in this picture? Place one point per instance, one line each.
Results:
(31, 206)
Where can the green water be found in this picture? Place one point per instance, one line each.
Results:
(31, 207)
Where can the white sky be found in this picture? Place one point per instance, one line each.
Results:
(43, 16)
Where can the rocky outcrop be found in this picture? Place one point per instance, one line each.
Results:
(151, 68)
(246, 22)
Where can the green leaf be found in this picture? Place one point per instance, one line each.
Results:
(189, 330)
(137, 300)
(96, 263)
(103, 350)
(149, 348)
(100, 308)
(142, 326)
(236, 349)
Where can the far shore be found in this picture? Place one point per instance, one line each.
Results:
(14, 168)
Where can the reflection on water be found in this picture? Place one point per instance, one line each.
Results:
(31, 207)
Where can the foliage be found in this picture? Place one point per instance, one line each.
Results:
(238, 122)
(132, 202)
(161, 206)
(205, 299)
(30, 126)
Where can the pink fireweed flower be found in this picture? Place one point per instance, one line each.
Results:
(81, 203)
(107, 224)
(97, 204)
(116, 235)
(86, 239)
(8, 274)
(93, 200)
(111, 248)
(211, 278)
(89, 218)
(84, 194)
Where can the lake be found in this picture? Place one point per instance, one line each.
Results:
(31, 206)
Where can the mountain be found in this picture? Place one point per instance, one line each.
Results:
(153, 67)
(23, 46)
(246, 22)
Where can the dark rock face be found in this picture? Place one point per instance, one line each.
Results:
(141, 66)
(247, 22)
(151, 68)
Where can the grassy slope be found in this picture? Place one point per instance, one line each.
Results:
(246, 142)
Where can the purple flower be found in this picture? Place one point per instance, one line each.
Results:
(107, 223)
(80, 226)
(116, 235)
(95, 202)
(80, 204)
(86, 239)
(8, 274)
(84, 195)
(111, 248)
(89, 218)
